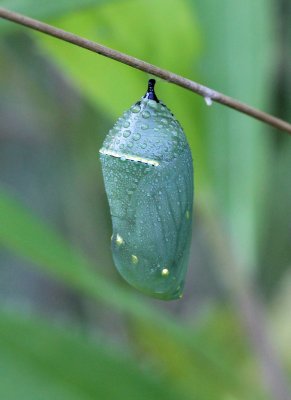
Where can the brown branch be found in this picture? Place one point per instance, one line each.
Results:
(207, 93)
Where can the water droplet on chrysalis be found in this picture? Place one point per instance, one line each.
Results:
(146, 114)
(136, 109)
(126, 133)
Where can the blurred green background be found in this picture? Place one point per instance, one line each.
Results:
(70, 328)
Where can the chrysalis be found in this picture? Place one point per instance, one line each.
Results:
(148, 174)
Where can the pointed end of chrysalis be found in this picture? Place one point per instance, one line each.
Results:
(150, 94)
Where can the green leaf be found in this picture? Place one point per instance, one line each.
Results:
(43, 9)
(140, 29)
(240, 57)
(23, 233)
(39, 361)
(218, 330)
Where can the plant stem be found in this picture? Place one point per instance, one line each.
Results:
(247, 304)
(207, 93)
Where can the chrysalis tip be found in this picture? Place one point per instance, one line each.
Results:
(150, 94)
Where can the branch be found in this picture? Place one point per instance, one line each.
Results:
(207, 93)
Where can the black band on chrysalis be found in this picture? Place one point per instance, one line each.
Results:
(150, 94)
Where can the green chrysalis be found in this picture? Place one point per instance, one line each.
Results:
(148, 174)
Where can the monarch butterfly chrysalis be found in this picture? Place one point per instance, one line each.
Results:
(148, 174)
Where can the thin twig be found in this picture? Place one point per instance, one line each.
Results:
(207, 93)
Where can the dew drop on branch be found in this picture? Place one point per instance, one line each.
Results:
(208, 101)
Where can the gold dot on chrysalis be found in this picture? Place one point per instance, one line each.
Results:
(119, 240)
(134, 259)
(165, 272)
(180, 295)
(187, 214)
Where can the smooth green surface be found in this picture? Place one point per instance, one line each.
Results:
(239, 150)
(24, 234)
(43, 9)
(39, 361)
(148, 174)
